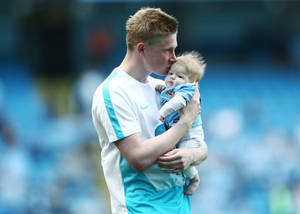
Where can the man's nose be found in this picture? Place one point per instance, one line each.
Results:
(173, 57)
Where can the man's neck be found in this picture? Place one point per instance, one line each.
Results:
(134, 67)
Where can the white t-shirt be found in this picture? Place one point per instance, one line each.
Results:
(121, 107)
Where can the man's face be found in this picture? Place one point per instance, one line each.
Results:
(160, 57)
(177, 75)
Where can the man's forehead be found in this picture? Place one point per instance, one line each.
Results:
(169, 41)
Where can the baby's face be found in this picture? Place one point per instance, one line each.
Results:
(177, 75)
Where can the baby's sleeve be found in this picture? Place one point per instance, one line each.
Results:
(174, 104)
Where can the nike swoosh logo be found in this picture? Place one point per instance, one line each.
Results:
(145, 107)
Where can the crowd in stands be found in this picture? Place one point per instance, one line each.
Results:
(50, 162)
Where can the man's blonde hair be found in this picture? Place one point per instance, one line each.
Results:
(149, 25)
(194, 65)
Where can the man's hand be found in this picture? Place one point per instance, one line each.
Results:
(176, 161)
(180, 159)
(193, 109)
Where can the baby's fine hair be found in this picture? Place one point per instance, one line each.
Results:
(149, 25)
(194, 65)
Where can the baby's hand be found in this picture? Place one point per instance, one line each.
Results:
(160, 88)
(162, 119)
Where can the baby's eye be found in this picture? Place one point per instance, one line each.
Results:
(181, 77)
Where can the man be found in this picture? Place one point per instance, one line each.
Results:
(142, 172)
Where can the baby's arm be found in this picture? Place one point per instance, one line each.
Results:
(174, 104)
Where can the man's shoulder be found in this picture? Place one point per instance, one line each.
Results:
(108, 86)
(115, 81)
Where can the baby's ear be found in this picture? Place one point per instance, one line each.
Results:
(191, 80)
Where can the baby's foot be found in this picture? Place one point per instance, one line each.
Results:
(193, 185)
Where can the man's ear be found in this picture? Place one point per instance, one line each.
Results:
(140, 48)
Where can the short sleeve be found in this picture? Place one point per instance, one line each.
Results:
(118, 116)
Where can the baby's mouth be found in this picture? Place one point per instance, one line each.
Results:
(170, 83)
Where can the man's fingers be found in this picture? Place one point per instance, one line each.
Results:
(176, 164)
(172, 152)
(196, 85)
(173, 171)
(168, 158)
(197, 93)
(169, 165)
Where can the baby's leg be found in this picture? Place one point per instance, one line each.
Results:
(193, 138)
(193, 185)
(191, 174)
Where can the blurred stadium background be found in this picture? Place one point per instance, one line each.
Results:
(53, 54)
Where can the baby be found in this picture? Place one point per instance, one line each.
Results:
(180, 86)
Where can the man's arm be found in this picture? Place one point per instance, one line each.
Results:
(142, 154)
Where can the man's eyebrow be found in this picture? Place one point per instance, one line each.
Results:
(171, 48)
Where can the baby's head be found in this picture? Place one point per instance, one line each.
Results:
(188, 68)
